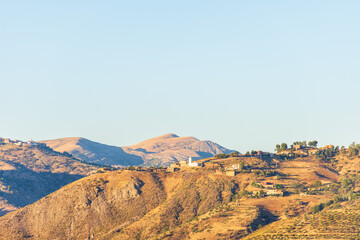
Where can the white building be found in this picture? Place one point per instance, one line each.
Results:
(31, 143)
(193, 164)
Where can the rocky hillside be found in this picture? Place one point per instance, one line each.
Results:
(28, 173)
(159, 151)
(119, 205)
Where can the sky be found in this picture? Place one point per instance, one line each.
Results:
(245, 74)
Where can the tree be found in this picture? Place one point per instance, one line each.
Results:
(281, 147)
(242, 165)
(284, 146)
(221, 155)
(354, 149)
(317, 183)
(313, 143)
(277, 148)
(234, 154)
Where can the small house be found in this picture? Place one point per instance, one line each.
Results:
(274, 192)
(183, 163)
(172, 169)
(231, 172)
(267, 184)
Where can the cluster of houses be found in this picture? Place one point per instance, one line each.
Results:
(174, 167)
(269, 189)
(303, 150)
(232, 171)
(19, 143)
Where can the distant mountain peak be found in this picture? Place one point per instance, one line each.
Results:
(158, 151)
(166, 136)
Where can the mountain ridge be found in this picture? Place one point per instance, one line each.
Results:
(158, 151)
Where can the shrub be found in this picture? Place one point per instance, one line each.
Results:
(221, 156)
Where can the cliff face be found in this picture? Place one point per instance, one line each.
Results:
(120, 205)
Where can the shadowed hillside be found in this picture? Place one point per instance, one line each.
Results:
(28, 173)
(118, 204)
(94, 152)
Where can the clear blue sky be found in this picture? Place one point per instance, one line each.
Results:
(245, 74)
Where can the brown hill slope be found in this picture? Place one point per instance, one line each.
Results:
(124, 205)
(28, 173)
(159, 151)
(168, 148)
(337, 221)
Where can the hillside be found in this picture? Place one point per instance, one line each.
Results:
(308, 199)
(336, 221)
(159, 151)
(94, 152)
(120, 205)
(28, 173)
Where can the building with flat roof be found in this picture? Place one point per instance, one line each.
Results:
(193, 164)
(231, 172)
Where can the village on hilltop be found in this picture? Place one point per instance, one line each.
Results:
(8, 141)
(267, 167)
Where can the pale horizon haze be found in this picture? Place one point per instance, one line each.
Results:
(244, 74)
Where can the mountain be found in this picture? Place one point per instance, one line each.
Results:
(168, 148)
(31, 171)
(94, 152)
(159, 151)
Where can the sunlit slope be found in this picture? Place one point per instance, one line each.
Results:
(127, 205)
